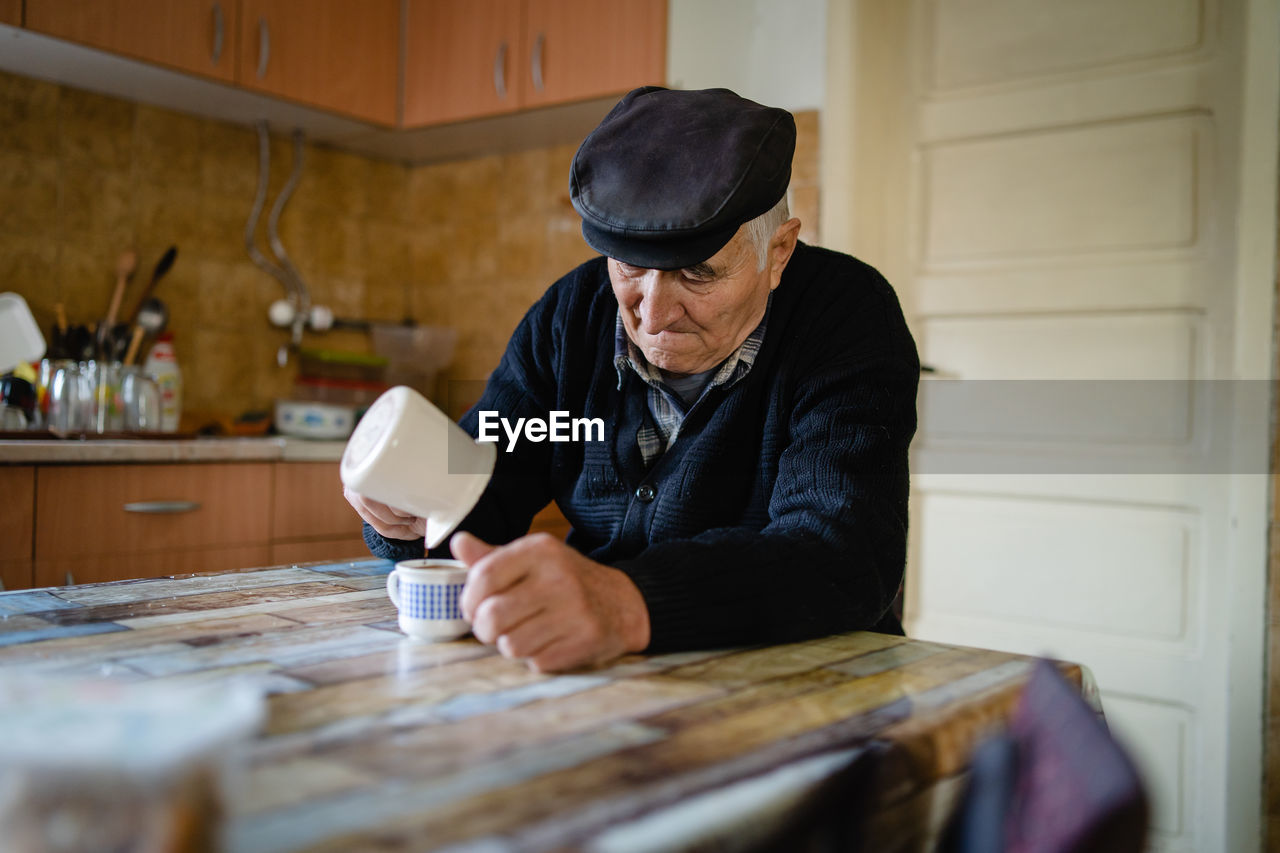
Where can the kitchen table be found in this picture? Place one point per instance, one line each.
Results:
(373, 740)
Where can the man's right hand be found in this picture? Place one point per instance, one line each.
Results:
(391, 523)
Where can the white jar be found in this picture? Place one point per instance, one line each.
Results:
(162, 363)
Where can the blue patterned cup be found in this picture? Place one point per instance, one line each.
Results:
(426, 593)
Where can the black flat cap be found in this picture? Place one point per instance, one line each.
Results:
(669, 176)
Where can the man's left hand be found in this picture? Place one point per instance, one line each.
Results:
(540, 601)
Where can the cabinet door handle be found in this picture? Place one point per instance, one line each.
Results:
(535, 63)
(500, 71)
(218, 33)
(162, 507)
(264, 47)
(70, 578)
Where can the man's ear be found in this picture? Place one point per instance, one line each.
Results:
(781, 245)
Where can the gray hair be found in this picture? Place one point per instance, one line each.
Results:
(760, 230)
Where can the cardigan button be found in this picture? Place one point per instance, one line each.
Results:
(646, 493)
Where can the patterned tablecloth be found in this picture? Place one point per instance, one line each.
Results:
(374, 740)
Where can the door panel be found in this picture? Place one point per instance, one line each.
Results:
(1150, 568)
(1066, 346)
(1136, 180)
(1159, 736)
(985, 42)
(1053, 201)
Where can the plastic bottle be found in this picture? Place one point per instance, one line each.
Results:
(162, 363)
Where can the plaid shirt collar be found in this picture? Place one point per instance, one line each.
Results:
(666, 406)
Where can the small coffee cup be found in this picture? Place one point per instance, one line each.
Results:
(407, 454)
(426, 592)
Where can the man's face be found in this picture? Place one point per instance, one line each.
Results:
(690, 320)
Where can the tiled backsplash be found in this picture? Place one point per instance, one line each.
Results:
(468, 244)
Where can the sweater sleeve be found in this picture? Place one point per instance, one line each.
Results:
(831, 557)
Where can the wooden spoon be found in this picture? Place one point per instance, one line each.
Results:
(134, 344)
(126, 265)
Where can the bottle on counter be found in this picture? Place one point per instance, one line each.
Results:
(162, 363)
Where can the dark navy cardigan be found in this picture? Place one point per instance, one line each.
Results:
(779, 513)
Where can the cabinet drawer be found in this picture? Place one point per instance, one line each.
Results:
(309, 503)
(119, 509)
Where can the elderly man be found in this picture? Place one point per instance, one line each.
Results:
(758, 397)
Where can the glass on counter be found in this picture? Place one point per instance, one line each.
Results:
(96, 397)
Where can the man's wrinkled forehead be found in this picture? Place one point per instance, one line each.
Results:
(668, 177)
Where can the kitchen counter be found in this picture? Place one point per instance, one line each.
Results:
(376, 741)
(273, 449)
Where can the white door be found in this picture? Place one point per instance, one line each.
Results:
(1057, 189)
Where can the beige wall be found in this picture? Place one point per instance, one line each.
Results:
(468, 244)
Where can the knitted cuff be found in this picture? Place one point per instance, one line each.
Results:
(677, 621)
(392, 549)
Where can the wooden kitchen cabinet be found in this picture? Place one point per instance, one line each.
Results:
(17, 512)
(198, 36)
(11, 12)
(580, 49)
(333, 54)
(87, 523)
(311, 520)
(395, 63)
(472, 58)
(461, 59)
(106, 522)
